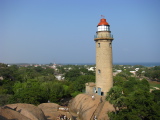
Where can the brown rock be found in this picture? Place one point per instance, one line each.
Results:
(87, 108)
(9, 114)
(82, 107)
(51, 111)
(28, 110)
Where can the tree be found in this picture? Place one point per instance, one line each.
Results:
(28, 92)
(57, 92)
(153, 73)
(116, 97)
(4, 99)
(125, 74)
(156, 96)
(79, 83)
(118, 80)
(72, 74)
(133, 101)
(139, 73)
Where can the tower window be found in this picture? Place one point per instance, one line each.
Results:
(99, 71)
(110, 44)
(99, 44)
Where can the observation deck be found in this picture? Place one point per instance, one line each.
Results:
(103, 37)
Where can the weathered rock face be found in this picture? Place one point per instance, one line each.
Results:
(83, 106)
(88, 108)
(52, 111)
(9, 114)
(22, 112)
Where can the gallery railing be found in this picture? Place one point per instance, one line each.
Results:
(103, 36)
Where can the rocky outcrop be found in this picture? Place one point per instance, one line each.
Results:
(9, 114)
(45, 111)
(22, 112)
(87, 108)
(82, 107)
(52, 110)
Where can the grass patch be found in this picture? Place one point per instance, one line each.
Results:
(154, 84)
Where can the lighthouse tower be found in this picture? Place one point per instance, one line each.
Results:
(104, 75)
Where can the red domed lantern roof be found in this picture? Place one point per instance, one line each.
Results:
(103, 22)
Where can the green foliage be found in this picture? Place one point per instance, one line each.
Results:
(156, 68)
(153, 73)
(28, 92)
(37, 85)
(4, 99)
(154, 84)
(156, 95)
(66, 90)
(118, 80)
(125, 74)
(3, 90)
(61, 70)
(9, 73)
(116, 97)
(74, 94)
(56, 92)
(72, 74)
(7, 85)
(132, 100)
(79, 84)
(139, 73)
(77, 78)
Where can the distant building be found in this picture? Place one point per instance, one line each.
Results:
(133, 72)
(91, 69)
(136, 69)
(59, 77)
(53, 66)
(118, 71)
(37, 65)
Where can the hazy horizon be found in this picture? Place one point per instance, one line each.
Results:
(114, 63)
(63, 31)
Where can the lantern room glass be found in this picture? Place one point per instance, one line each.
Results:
(103, 28)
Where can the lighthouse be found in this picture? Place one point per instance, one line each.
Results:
(104, 74)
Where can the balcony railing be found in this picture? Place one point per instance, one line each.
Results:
(103, 36)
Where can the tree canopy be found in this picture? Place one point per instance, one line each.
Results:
(133, 100)
(38, 84)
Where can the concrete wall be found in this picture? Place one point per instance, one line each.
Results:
(90, 88)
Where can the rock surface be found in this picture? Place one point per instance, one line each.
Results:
(82, 107)
(21, 111)
(50, 110)
(9, 114)
(87, 108)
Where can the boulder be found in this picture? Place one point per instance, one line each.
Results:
(87, 107)
(52, 111)
(10, 114)
(30, 111)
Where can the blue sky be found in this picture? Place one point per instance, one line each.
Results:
(47, 31)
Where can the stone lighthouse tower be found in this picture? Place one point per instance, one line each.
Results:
(104, 74)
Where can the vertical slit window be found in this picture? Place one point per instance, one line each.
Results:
(110, 44)
(99, 71)
(99, 44)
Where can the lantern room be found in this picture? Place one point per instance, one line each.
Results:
(103, 25)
